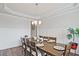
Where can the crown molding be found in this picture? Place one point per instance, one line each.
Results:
(58, 12)
(49, 12)
(9, 11)
(61, 12)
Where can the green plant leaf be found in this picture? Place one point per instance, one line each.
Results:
(69, 36)
(71, 30)
(77, 30)
(77, 35)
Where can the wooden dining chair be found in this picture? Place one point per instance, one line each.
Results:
(23, 46)
(33, 48)
(41, 36)
(28, 48)
(53, 39)
(67, 50)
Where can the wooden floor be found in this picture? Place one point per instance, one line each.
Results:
(16, 51)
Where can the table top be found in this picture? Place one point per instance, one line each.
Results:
(49, 48)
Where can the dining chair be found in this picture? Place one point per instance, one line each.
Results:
(23, 46)
(28, 48)
(44, 37)
(52, 39)
(67, 50)
(41, 36)
(49, 39)
(33, 48)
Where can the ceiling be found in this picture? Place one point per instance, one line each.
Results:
(39, 10)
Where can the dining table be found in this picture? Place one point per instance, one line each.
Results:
(48, 47)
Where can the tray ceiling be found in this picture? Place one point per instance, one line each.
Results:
(39, 10)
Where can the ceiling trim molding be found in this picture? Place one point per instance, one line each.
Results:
(7, 10)
(58, 12)
(49, 13)
(58, 15)
(65, 11)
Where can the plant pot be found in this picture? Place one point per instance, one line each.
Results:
(74, 45)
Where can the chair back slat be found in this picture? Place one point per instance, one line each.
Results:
(49, 38)
(33, 47)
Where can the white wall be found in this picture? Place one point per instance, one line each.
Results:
(57, 26)
(12, 28)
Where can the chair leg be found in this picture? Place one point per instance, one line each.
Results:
(75, 53)
(23, 51)
(43, 53)
(36, 53)
(30, 51)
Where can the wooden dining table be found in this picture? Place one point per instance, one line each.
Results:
(50, 50)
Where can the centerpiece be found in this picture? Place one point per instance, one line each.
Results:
(72, 34)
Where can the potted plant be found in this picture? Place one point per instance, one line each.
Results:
(73, 33)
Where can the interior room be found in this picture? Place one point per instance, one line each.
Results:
(39, 29)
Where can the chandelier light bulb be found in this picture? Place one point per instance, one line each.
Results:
(40, 22)
(35, 22)
(32, 22)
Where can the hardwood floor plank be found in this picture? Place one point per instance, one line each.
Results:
(16, 51)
